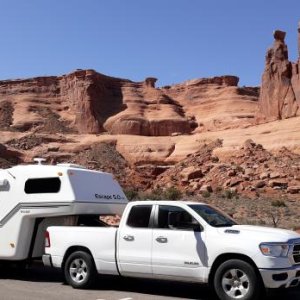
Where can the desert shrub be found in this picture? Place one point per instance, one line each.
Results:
(131, 194)
(206, 194)
(278, 203)
(190, 193)
(155, 194)
(172, 193)
(229, 194)
(218, 189)
(239, 168)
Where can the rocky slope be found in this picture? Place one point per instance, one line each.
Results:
(249, 169)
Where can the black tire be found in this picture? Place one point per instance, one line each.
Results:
(237, 280)
(79, 270)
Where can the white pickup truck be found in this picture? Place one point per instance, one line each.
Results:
(184, 241)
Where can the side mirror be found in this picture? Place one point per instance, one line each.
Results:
(197, 227)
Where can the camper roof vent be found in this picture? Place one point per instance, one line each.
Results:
(39, 160)
(71, 166)
(3, 183)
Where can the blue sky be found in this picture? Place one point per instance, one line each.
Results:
(173, 40)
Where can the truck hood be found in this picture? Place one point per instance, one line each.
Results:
(265, 234)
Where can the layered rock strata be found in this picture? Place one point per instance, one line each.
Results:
(85, 101)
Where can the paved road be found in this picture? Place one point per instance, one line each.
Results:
(39, 283)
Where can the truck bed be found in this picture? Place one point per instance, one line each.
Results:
(65, 238)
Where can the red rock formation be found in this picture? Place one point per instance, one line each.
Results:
(280, 83)
(296, 73)
(215, 103)
(85, 101)
(92, 97)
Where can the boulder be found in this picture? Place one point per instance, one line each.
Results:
(191, 173)
(260, 184)
(295, 189)
(274, 175)
(249, 144)
(235, 181)
(206, 188)
(264, 175)
(249, 172)
(231, 173)
(282, 184)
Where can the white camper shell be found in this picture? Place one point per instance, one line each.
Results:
(33, 197)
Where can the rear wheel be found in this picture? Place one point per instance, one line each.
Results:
(237, 280)
(79, 270)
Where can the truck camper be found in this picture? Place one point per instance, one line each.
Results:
(33, 197)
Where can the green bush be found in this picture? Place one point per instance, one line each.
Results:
(172, 193)
(131, 194)
(219, 189)
(206, 194)
(156, 194)
(229, 194)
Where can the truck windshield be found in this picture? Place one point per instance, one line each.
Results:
(212, 216)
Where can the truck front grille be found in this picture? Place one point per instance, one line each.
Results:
(296, 253)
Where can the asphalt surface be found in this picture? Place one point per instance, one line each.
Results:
(39, 283)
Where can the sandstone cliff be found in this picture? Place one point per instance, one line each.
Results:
(85, 101)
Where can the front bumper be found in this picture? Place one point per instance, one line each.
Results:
(281, 278)
(47, 261)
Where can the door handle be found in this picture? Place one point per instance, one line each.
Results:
(128, 238)
(162, 239)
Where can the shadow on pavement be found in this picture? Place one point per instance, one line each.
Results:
(38, 273)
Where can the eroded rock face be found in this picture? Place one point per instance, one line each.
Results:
(280, 89)
(86, 101)
(92, 98)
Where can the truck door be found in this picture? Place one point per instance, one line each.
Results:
(135, 240)
(178, 249)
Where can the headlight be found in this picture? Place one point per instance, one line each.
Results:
(273, 249)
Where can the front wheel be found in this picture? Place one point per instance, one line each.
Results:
(79, 270)
(237, 280)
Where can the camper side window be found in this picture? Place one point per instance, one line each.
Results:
(42, 185)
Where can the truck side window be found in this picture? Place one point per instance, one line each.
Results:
(139, 216)
(173, 217)
(42, 185)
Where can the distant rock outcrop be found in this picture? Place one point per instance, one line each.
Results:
(280, 89)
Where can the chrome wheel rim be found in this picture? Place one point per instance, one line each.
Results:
(235, 283)
(78, 270)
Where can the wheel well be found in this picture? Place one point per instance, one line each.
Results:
(227, 256)
(74, 249)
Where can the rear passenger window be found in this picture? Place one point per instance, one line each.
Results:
(42, 185)
(139, 216)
